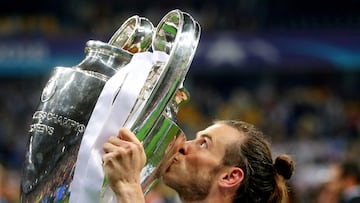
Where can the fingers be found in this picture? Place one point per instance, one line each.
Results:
(124, 154)
(125, 143)
(112, 144)
(127, 135)
(124, 138)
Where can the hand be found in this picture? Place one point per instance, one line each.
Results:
(123, 161)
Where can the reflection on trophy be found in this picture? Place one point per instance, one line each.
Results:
(178, 35)
(70, 97)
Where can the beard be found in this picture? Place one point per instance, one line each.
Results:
(194, 189)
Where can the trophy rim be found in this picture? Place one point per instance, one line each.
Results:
(99, 45)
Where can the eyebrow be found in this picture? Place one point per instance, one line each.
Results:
(206, 136)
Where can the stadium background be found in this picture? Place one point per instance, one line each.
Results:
(290, 67)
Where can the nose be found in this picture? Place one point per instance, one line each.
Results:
(181, 145)
(184, 147)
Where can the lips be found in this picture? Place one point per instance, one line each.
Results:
(171, 162)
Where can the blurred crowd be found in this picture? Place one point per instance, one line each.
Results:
(18, 98)
(313, 116)
(102, 18)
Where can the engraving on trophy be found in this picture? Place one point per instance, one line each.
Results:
(53, 118)
(49, 90)
(41, 128)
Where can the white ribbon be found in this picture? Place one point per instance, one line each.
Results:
(110, 113)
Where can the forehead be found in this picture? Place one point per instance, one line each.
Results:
(221, 134)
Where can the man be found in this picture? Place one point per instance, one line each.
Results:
(346, 177)
(230, 161)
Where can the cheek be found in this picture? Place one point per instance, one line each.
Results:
(201, 163)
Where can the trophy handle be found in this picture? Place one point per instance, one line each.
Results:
(134, 35)
(178, 35)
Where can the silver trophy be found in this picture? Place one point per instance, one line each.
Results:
(70, 95)
(178, 35)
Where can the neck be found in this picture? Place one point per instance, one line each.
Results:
(211, 198)
(205, 201)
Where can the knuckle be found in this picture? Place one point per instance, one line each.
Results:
(106, 145)
(112, 139)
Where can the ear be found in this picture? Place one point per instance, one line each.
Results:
(231, 177)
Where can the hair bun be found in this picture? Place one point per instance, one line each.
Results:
(284, 166)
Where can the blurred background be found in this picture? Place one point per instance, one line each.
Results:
(290, 67)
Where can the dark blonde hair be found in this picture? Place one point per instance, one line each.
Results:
(264, 180)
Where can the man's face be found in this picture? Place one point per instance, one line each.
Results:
(336, 181)
(195, 166)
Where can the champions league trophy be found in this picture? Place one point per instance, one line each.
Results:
(118, 84)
